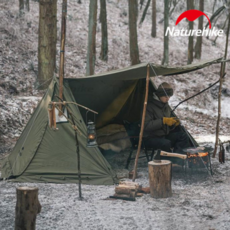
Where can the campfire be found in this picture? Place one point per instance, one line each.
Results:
(199, 160)
(190, 155)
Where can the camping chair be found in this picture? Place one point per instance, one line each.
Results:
(133, 130)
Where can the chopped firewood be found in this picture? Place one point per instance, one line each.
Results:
(125, 190)
(121, 195)
(130, 185)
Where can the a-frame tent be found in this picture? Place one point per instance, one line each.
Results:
(44, 155)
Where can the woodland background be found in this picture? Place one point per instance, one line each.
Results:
(24, 74)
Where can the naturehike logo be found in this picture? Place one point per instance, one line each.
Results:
(191, 16)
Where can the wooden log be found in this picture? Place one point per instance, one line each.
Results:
(160, 175)
(130, 184)
(27, 208)
(125, 190)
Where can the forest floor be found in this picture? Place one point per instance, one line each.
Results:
(199, 201)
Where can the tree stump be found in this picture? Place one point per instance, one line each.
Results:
(160, 174)
(27, 208)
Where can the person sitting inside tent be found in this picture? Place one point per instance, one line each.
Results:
(160, 127)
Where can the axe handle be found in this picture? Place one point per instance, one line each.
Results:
(163, 153)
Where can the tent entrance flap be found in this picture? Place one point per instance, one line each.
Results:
(115, 106)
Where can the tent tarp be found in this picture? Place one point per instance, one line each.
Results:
(139, 71)
(44, 155)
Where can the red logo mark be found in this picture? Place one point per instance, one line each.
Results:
(192, 15)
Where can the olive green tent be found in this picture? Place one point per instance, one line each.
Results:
(44, 155)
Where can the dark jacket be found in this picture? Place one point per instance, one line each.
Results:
(155, 112)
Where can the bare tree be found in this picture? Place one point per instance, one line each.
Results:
(190, 5)
(165, 60)
(47, 40)
(222, 74)
(21, 7)
(28, 5)
(144, 12)
(154, 19)
(22, 4)
(104, 33)
(198, 46)
(91, 52)
(133, 43)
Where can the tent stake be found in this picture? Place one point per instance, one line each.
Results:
(62, 51)
(142, 124)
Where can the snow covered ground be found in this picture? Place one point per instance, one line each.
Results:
(199, 201)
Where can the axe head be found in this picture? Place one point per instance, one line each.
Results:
(157, 156)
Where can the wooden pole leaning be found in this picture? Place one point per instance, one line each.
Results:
(27, 208)
(62, 51)
(222, 74)
(142, 125)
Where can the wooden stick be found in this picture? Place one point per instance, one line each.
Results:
(50, 117)
(163, 153)
(54, 117)
(62, 51)
(220, 89)
(142, 125)
(66, 102)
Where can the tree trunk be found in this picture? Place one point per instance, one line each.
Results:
(198, 46)
(21, 7)
(91, 52)
(145, 12)
(28, 5)
(133, 43)
(27, 208)
(190, 4)
(47, 41)
(104, 33)
(160, 175)
(154, 19)
(165, 60)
